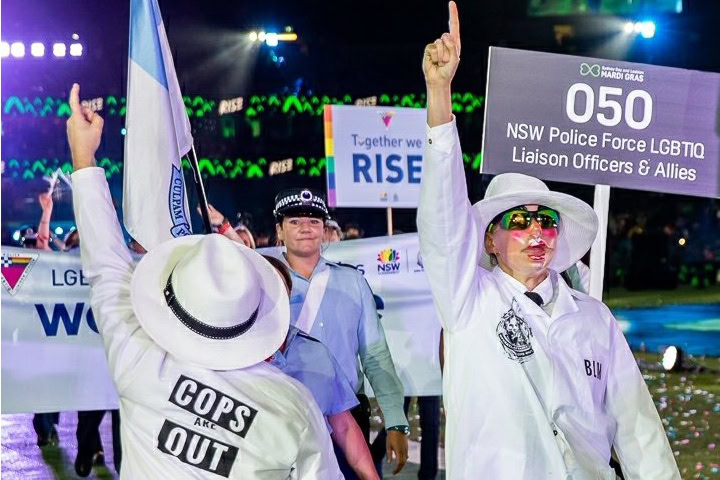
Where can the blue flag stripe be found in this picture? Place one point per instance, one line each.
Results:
(145, 49)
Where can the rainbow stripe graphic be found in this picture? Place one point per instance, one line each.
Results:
(388, 255)
(330, 156)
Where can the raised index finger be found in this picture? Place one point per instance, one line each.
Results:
(454, 24)
(74, 99)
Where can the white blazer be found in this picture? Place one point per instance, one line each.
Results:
(527, 395)
(180, 421)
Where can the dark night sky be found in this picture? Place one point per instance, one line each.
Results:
(357, 47)
(361, 48)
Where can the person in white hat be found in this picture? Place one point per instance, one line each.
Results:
(534, 388)
(186, 334)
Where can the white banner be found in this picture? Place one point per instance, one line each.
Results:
(53, 360)
(374, 155)
(52, 357)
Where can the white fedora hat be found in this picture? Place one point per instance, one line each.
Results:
(578, 222)
(211, 302)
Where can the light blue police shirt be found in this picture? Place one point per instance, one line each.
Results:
(348, 324)
(310, 362)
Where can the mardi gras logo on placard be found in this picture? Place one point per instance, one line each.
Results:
(387, 118)
(587, 69)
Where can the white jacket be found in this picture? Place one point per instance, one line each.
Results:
(527, 396)
(180, 421)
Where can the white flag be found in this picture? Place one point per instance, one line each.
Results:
(157, 134)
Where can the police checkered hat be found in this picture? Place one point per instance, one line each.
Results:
(300, 202)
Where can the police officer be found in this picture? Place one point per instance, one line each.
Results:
(310, 362)
(333, 303)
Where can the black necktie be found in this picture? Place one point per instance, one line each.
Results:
(535, 297)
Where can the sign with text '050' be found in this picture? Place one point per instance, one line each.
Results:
(374, 155)
(591, 121)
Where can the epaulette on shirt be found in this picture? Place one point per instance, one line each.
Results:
(348, 265)
(305, 335)
(355, 268)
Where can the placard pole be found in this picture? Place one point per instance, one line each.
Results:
(389, 221)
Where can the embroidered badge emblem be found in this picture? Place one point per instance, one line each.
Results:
(515, 334)
(306, 197)
(176, 204)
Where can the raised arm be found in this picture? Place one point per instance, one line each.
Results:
(449, 240)
(440, 62)
(43, 235)
(106, 260)
(222, 224)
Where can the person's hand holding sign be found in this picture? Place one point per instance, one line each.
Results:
(440, 62)
(84, 130)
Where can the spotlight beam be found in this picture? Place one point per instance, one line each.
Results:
(271, 39)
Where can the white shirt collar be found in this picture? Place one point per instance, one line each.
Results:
(546, 288)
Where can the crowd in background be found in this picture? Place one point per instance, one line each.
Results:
(679, 240)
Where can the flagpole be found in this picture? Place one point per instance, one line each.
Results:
(200, 188)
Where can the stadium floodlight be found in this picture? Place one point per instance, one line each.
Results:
(647, 29)
(672, 358)
(59, 231)
(17, 49)
(59, 49)
(37, 49)
(4, 49)
(271, 39)
(76, 49)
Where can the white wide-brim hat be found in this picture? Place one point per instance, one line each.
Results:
(211, 302)
(578, 221)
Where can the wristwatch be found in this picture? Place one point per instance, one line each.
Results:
(404, 429)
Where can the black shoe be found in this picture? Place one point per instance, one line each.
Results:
(84, 464)
(51, 439)
(83, 467)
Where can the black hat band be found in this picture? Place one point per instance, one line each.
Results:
(201, 328)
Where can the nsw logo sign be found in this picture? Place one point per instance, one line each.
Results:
(388, 261)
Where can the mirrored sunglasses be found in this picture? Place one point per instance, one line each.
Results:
(520, 218)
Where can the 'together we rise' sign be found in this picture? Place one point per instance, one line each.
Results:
(374, 155)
